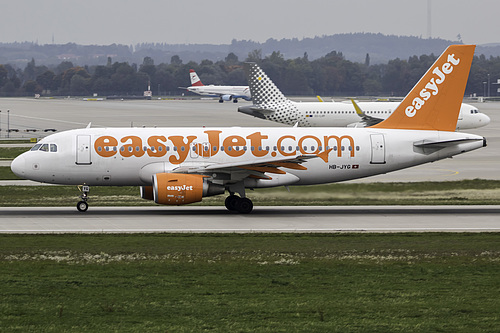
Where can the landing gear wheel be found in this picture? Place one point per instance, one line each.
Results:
(244, 206)
(221, 100)
(231, 202)
(82, 206)
(235, 100)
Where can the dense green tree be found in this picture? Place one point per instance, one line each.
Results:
(176, 60)
(330, 75)
(4, 78)
(32, 87)
(46, 80)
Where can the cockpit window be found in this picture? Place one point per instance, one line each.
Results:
(36, 147)
(474, 111)
(52, 147)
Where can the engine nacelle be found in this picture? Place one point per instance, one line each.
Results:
(181, 189)
(147, 192)
(226, 98)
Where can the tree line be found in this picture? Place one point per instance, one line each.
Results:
(330, 75)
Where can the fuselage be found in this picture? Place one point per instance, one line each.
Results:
(131, 156)
(218, 91)
(314, 114)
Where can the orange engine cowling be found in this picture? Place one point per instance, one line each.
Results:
(180, 189)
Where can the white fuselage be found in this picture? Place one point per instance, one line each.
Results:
(314, 114)
(131, 156)
(218, 91)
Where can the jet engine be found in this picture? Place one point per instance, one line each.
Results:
(226, 98)
(179, 189)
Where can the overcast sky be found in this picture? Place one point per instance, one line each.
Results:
(128, 22)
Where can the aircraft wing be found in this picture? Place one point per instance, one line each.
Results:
(255, 169)
(367, 120)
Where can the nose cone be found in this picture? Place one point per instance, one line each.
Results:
(485, 120)
(18, 166)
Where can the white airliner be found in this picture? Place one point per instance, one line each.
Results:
(225, 93)
(270, 103)
(176, 166)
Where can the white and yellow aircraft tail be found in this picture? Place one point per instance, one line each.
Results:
(434, 102)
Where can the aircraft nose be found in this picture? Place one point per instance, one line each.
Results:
(486, 120)
(18, 166)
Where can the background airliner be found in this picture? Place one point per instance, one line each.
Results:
(225, 93)
(177, 166)
(270, 103)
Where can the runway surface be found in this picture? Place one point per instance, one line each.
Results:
(198, 219)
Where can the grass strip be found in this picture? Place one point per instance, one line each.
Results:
(9, 153)
(466, 192)
(250, 283)
(7, 174)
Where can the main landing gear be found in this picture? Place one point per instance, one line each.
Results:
(82, 205)
(237, 204)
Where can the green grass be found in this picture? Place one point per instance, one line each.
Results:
(466, 192)
(7, 174)
(9, 153)
(250, 283)
(16, 141)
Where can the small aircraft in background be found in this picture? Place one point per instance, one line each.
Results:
(225, 93)
(270, 103)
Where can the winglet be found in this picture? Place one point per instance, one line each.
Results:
(434, 102)
(195, 80)
(358, 109)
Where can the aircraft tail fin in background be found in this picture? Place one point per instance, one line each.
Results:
(262, 88)
(268, 101)
(434, 102)
(195, 80)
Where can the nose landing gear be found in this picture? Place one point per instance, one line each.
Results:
(82, 205)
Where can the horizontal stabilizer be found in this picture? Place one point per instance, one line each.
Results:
(444, 144)
(428, 147)
(255, 110)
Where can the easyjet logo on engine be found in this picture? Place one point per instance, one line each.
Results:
(432, 87)
(180, 188)
(258, 144)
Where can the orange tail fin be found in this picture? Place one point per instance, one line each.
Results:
(434, 102)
